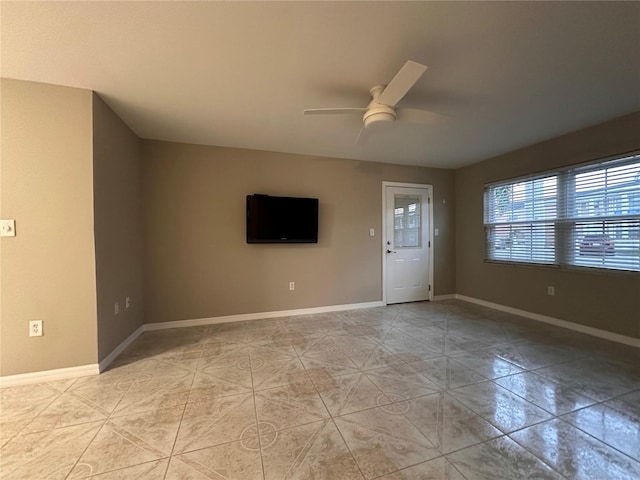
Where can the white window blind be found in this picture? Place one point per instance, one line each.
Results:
(520, 220)
(603, 215)
(584, 216)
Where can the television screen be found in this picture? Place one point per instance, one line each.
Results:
(281, 219)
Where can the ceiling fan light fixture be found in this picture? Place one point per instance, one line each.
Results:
(378, 116)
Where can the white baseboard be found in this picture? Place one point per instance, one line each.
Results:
(82, 371)
(595, 332)
(120, 348)
(257, 316)
(449, 296)
(49, 375)
(71, 372)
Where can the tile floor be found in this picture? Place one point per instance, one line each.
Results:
(444, 390)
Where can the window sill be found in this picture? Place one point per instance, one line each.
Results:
(566, 268)
(521, 264)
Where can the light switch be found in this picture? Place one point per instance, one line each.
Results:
(372, 232)
(7, 228)
(436, 231)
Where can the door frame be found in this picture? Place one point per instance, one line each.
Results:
(429, 189)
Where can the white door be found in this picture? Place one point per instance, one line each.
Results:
(407, 243)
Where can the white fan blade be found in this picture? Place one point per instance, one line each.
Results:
(420, 117)
(332, 111)
(362, 137)
(401, 83)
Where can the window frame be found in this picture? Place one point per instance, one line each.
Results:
(568, 224)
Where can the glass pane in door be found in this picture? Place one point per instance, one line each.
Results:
(406, 221)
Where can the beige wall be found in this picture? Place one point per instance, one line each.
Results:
(606, 301)
(48, 269)
(197, 261)
(118, 229)
(181, 209)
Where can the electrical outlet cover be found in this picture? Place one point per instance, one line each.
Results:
(35, 328)
(7, 228)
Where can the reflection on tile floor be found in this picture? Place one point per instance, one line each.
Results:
(442, 390)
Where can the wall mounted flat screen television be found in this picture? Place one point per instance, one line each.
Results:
(281, 219)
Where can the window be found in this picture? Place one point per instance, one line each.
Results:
(520, 220)
(406, 221)
(585, 216)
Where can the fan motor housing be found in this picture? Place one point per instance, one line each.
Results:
(378, 116)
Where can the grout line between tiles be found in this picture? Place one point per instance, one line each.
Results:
(255, 411)
(22, 429)
(533, 453)
(348, 447)
(184, 409)
(86, 448)
(591, 435)
(331, 418)
(450, 316)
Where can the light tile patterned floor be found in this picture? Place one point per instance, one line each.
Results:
(443, 391)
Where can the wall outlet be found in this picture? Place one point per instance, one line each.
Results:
(292, 285)
(35, 328)
(8, 228)
(551, 290)
(127, 302)
(116, 308)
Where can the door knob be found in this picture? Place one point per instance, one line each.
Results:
(389, 251)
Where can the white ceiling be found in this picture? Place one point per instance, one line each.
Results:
(239, 74)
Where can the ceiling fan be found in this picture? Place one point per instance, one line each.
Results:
(381, 110)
